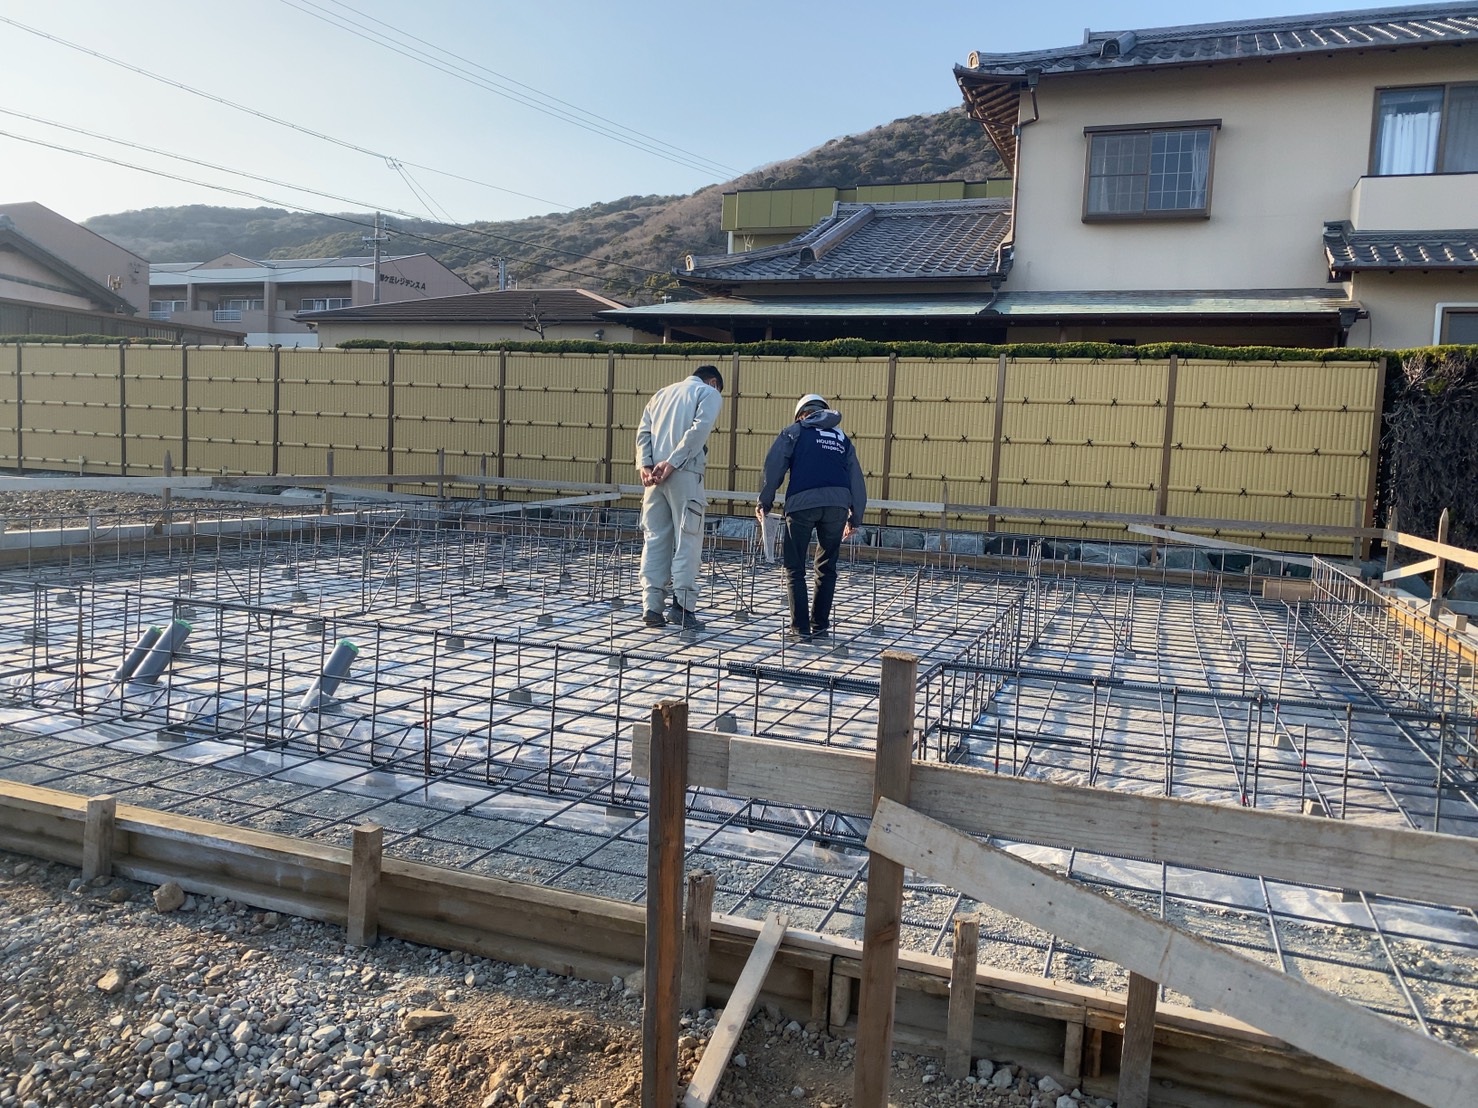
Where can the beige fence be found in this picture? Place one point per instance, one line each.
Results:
(1277, 442)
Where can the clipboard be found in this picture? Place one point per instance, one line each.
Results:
(770, 536)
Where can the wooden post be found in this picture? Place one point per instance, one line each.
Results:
(1139, 1041)
(1391, 544)
(364, 885)
(1434, 609)
(883, 919)
(839, 1009)
(97, 837)
(887, 466)
(695, 941)
(960, 1036)
(164, 500)
(1072, 1050)
(998, 425)
(663, 970)
(1167, 436)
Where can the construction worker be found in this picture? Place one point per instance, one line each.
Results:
(825, 495)
(671, 452)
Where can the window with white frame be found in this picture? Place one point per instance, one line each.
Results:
(1459, 325)
(326, 304)
(1154, 171)
(1430, 129)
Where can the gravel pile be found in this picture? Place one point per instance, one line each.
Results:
(112, 993)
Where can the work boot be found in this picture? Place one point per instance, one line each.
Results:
(653, 619)
(681, 618)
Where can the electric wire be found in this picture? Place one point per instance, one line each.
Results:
(303, 208)
(344, 143)
(565, 111)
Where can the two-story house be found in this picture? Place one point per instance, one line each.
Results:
(261, 297)
(1219, 169)
(1298, 181)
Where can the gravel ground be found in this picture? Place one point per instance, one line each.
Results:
(113, 993)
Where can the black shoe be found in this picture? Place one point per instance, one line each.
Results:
(653, 619)
(795, 634)
(680, 617)
(821, 632)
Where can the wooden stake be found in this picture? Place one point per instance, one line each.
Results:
(960, 1036)
(695, 939)
(1440, 573)
(884, 916)
(97, 837)
(735, 1015)
(1072, 1050)
(364, 886)
(1139, 1041)
(839, 1010)
(660, 1001)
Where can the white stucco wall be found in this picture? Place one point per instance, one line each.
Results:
(1292, 149)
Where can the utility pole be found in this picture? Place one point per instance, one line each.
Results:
(378, 237)
(502, 274)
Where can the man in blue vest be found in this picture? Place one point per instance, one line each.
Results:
(825, 495)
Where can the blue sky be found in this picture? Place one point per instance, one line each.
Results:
(632, 98)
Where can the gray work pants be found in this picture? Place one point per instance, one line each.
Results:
(672, 523)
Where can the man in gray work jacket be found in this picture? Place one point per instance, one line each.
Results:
(671, 451)
(825, 495)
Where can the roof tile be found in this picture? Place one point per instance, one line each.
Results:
(918, 239)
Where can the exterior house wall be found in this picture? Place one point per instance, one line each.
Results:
(1292, 152)
(417, 277)
(208, 288)
(87, 251)
(36, 284)
(1406, 306)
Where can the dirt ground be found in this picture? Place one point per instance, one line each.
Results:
(108, 999)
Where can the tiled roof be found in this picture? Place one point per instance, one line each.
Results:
(507, 306)
(1239, 303)
(991, 82)
(1348, 249)
(922, 239)
(1408, 25)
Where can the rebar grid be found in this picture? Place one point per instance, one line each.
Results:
(487, 719)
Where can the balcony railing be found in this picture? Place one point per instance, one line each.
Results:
(159, 314)
(226, 315)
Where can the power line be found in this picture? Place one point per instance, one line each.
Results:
(344, 143)
(328, 215)
(576, 115)
(288, 185)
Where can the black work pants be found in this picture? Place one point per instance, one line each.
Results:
(827, 525)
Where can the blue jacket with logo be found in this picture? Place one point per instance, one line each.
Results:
(822, 465)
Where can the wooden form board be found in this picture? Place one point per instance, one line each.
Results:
(1355, 1038)
(735, 1015)
(1416, 865)
(1465, 558)
(1210, 1056)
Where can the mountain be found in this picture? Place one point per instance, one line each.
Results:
(625, 248)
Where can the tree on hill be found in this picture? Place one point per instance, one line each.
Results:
(625, 248)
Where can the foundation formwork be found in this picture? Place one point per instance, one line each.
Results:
(483, 716)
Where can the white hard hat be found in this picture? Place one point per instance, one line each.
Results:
(810, 400)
